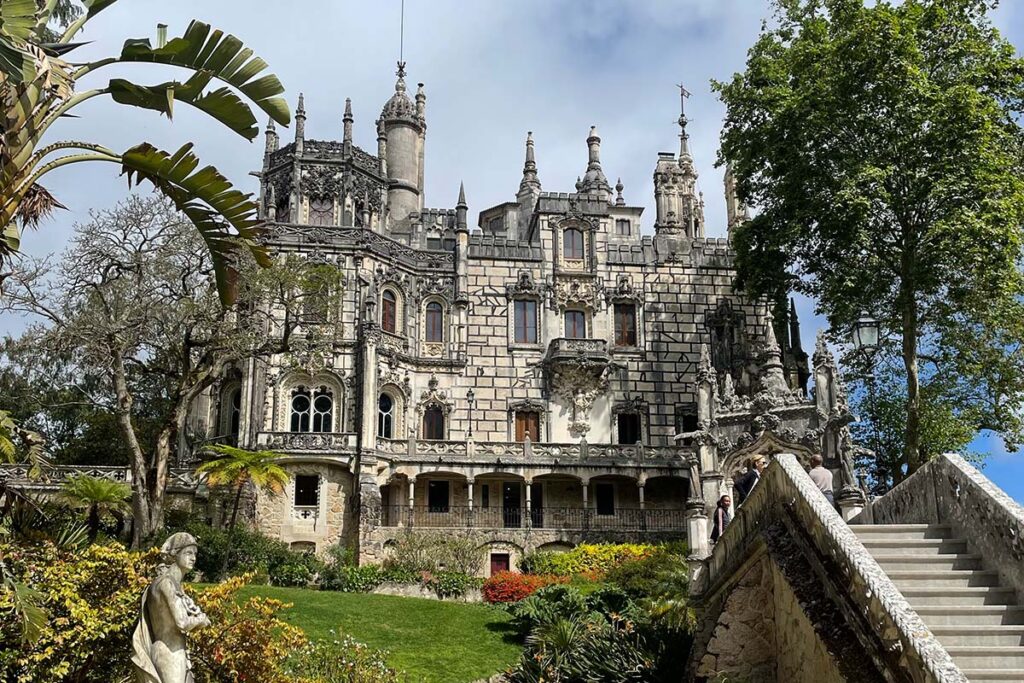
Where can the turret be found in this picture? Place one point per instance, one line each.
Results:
(404, 129)
(271, 143)
(594, 180)
(736, 211)
(679, 207)
(461, 211)
(347, 122)
(300, 126)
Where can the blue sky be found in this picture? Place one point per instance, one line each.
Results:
(493, 69)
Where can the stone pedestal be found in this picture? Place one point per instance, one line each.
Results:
(697, 532)
(851, 502)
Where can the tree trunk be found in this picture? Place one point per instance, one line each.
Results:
(94, 522)
(231, 528)
(908, 301)
(139, 466)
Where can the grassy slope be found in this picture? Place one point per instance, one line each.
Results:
(432, 641)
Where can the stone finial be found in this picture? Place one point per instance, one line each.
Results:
(462, 195)
(461, 209)
(594, 179)
(771, 342)
(421, 102)
(300, 123)
(347, 121)
(271, 142)
(530, 181)
(619, 199)
(579, 184)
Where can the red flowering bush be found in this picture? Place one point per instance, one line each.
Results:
(513, 587)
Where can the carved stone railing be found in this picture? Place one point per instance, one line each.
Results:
(947, 490)
(592, 350)
(181, 479)
(530, 452)
(898, 640)
(307, 442)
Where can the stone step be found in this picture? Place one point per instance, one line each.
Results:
(896, 562)
(987, 657)
(940, 597)
(993, 675)
(977, 636)
(914, 546)
(987, 615)
(904, 531)
(944, 579)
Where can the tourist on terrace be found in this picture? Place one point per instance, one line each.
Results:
(822, 478)
(721, 519)
(745, 484)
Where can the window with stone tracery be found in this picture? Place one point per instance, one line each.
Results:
(386, 416)
(321, 211)
(312, 411)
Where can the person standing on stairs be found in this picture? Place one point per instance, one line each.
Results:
(745, 484)
(721, 519)
(822, 478)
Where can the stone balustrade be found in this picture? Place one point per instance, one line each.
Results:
(550, 518)
(183, 479)
(307, 442)
(491, 451)
(787, 503)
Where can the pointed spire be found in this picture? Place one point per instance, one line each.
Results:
(619, 199)
(794, 328)
(300, 125)
(594, 179)
(462, 195)
(530, 182)
(684, 137)
(271, 142)
(771, 342)
(461, 209)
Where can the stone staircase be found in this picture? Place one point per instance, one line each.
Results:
(976, 619)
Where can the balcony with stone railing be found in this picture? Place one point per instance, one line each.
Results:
(546, 518)
(525, 451)
(323, 443)
(588, 351)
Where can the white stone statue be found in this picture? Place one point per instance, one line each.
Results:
(166, 615)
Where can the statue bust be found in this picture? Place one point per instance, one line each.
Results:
(166, 615)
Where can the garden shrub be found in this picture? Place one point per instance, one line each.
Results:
(247, 640)
(90, 601)
(593, 558)
(547, 605)
(449, 584)
(293, 574)
(506, 587)
(419, 552)
(350, 579)
(643, 576)
(342, 660)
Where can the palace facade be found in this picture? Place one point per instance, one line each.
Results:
(546, 375)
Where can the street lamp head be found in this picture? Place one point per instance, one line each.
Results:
(865, 333)
(470, 397)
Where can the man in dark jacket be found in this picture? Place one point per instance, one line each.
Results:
(745, 484)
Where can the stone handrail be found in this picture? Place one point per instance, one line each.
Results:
(903, 643)
(948, 490)
(541, 450)
(307, 442)
(54, 477)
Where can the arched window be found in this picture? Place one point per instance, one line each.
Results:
(312, 411)
(301, 403)
(388, 311)
(236, 413)
(433, 424)
(572, 244)
(575, 325)
(435, 322)
(321, 211)
(323, 410)
(386, 416)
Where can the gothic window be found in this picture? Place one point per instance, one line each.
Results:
(629, 428)
(572, 244)
(433, 424)
(527, 425)
(323, 410)
(312, 411)
(625, 325)
(435, 322)
(386, 416)
(321, 211)
(307, 490)
(525, 322)
(575, 324)
(622, 227)
(235, 413)
(388, 311)
(301, 403)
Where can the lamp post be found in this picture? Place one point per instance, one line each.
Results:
(470, 401)
(865, 342)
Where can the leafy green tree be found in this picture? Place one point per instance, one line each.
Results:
(98, 498)
(236, 468)
(881, 148)
(39, 88)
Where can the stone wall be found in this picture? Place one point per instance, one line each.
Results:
(800, 653)
(334, 520)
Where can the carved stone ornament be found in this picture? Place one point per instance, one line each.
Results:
(524, 285)
(624, 290)
(321, 181)
(579, 386)
(634, 405)
(572, 292)
(392, 375)
(434, 397)
(366, 192)
(436, 286)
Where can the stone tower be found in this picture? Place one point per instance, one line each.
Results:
(679, 207)
(403, 129)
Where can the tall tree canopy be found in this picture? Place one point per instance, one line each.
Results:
(882, 151)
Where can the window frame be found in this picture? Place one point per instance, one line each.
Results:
(433, 422)
(434, 322)
(389, 318)
(569, 246)
(533, 430)
(630, 416)
(578, 315)
(531, 314)
(619, 223)
(315, 492)
(388, 418)
(617, 329)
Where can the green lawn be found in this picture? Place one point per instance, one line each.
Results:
(432, 641)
